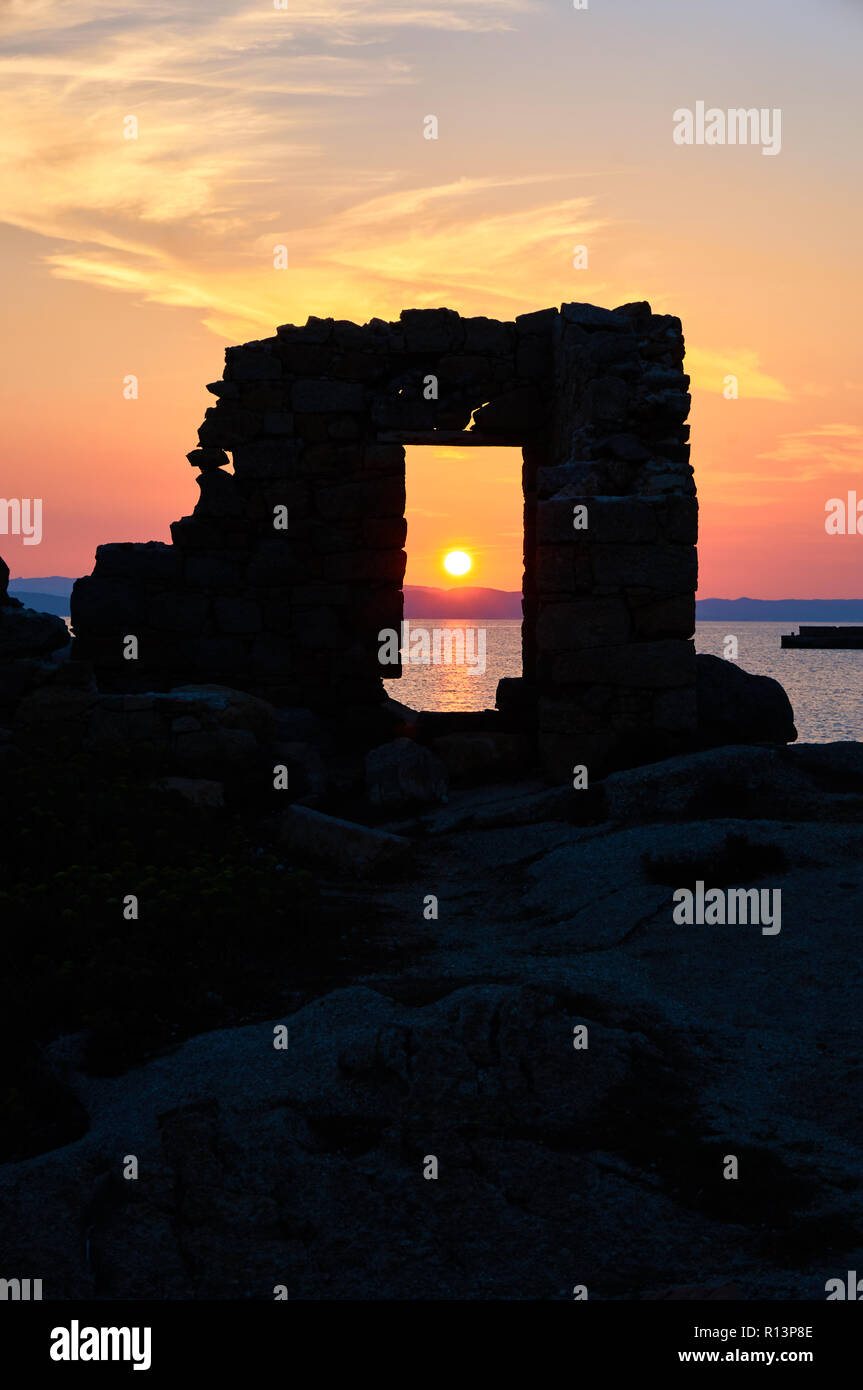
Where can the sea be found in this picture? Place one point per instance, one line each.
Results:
(825, 687)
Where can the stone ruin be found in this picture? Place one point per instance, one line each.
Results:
(316, 419)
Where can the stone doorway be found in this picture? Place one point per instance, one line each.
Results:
(283, 575)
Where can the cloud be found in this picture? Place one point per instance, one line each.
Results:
(833, 448)
(460, 244)
(708, 369)
(244, 143)
(27, 19)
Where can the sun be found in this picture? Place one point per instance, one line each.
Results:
(457, 562)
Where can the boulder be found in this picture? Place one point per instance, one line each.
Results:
(26, 633)
(343, 846)
(835, 767)
(465, 756)
(732, 780)
(225, 707)
(402, 773)
(306, 761)
(735, 706)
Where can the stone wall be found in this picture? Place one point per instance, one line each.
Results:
(289, 567)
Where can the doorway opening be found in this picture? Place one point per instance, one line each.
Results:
(462, 629)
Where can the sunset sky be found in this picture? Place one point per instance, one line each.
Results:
(304, 126)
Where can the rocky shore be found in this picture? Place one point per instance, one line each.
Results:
(462, 963)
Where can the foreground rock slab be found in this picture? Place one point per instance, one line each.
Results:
(342, 845)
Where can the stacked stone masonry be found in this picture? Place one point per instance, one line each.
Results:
(315, 420)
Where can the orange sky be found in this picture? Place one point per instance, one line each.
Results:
(259, 126)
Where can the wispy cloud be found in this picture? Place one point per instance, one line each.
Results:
(461, 244)
(833, 448)
(708, 369)
(235, 154)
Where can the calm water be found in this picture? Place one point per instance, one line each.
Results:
(825, 687)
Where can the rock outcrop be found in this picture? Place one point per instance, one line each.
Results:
(735, 706)
(27, 640)
(404, 773)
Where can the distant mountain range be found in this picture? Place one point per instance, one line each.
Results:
(51, 595)
(43, 603)
(472, 602)
(468, 601)
(784, 610)
(54, 584)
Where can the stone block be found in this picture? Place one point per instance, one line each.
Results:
(588, 622)
(237, 616)
(591, 316)
(370, 497)
(383, 459)
(607, 400)
(669, 567)
(516, 413)
(323, 396)
(268, 459)
(276, 561)
(226, 425)
(318, 629)
(189, 533)
(482, 335)
(556, 569)
(315, 330)
(226, 655)
(272, 655)
(622, 521)
(208, 458)
(648, 665)
(343, 427)
(431, 330)
(278, 422)
(533, 358)
(408, 413)
(385, 533)
(218, 572)
(377, 565)
(555, 519)
(664, 615)
(102, 607)
(178, 611)
(678, 518)
(461, 369)
(540, 321)
(138, 561)
(247, 364)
